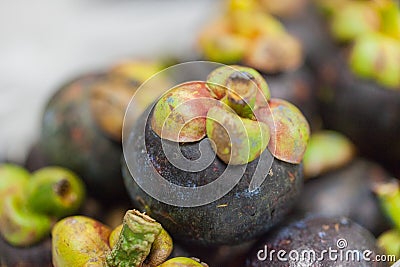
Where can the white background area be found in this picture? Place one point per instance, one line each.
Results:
(46, 42)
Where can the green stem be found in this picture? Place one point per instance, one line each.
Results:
(135, 241)
(241, 93)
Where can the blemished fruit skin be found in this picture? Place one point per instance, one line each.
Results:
(316, 233)
(236, 217)
(71, 138)
(346, 192)
(34, 256)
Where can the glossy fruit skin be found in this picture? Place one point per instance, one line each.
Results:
(316, 233)
(71, 138)
(346, 192)
(238, 216)
(368, 113)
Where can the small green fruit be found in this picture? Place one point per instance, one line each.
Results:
(55, 191)
(327, 150)
(79, 241)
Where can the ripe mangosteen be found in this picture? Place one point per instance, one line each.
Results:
(72, 137)
(226, 117)
(82, 125)
(317, 241)
(359, 83)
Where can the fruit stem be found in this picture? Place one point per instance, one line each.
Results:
(138, 233)
(241, 93)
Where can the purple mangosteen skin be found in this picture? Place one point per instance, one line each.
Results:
(316, 233)
(368, 113)
(239, 216)
(71, 138)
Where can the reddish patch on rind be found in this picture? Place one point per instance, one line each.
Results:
(180, 114)
(289, 130)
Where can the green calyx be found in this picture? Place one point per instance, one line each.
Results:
(236, 113)
(327, 150)
(161, 249)
(377, 56)
(82, 241)
(236, 140)
(389, 198)
(389, 242)
(354, 19)
(55, 191)
(220, 81)
(29, 204)
(179, 115)
(373, 30)
(289, 130)
(134, 245)
(183, 262)
(246, 34)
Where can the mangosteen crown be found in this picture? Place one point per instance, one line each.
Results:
(233, 108)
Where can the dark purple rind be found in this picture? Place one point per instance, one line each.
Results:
(71, 138)
(368, 113)
(316, 233)
(247, 215)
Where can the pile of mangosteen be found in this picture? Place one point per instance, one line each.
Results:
(285, 153)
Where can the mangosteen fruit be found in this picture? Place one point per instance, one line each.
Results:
(247, 131)
(359, 84)
(72, 137)
(317, 241)
(82, 125)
